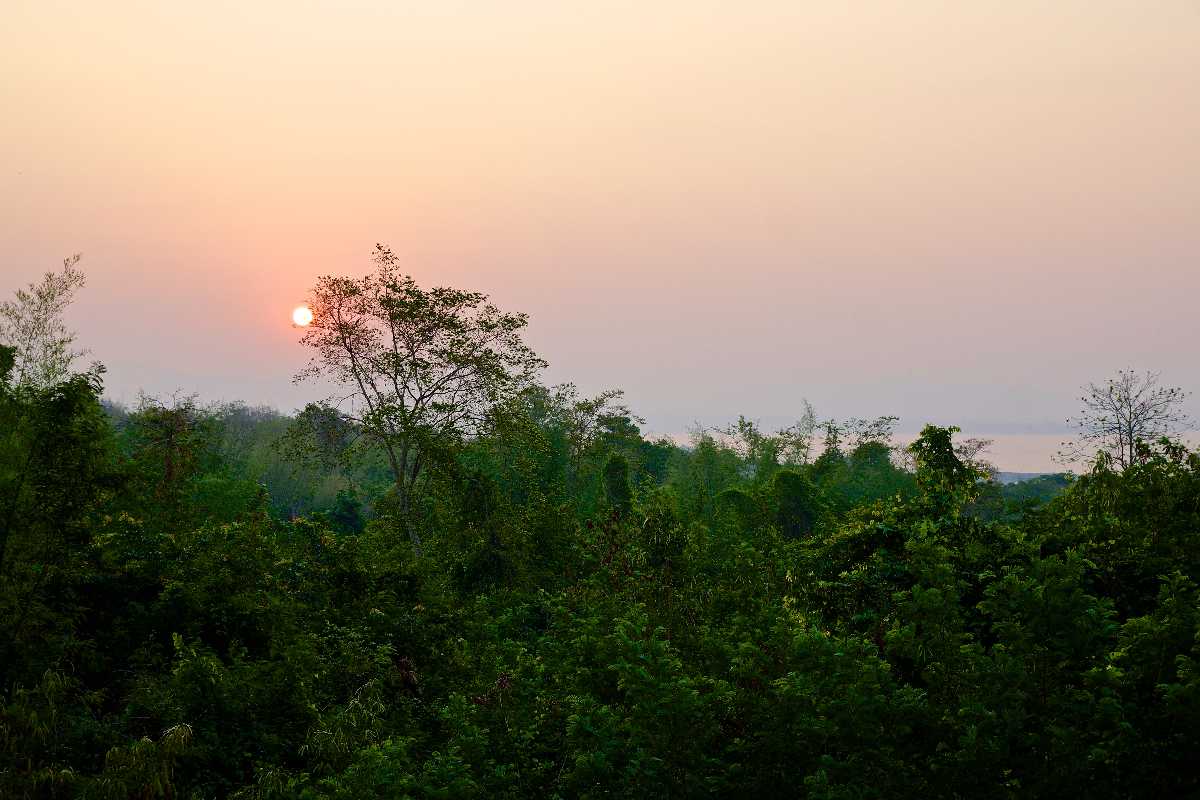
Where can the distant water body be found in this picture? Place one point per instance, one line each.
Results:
(1032, 452)
(1017, 452)
(1013, 452)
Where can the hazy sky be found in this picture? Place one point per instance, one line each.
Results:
(950, 211)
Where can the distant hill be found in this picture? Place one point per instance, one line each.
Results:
(1019, 477)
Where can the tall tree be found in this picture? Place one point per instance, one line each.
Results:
(583, 418)
(1122, 414)
(54, 470)
(422, 368)
(32, 324)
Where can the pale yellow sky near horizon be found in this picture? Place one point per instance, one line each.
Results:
(950, 211)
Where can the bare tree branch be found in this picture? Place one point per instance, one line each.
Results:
(1121, 415)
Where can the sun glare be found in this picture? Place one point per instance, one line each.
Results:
(302, 316)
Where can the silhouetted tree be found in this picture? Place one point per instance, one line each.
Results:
(617, 491)
(1123, 414)
(423, 367)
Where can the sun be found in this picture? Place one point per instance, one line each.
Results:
(302, 316)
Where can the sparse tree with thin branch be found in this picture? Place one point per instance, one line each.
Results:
(32, 324)
(422, 368)
(1121, 415)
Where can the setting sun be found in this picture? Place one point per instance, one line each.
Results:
(708, 398)
(302, 316)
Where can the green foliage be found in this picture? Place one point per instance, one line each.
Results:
(427, 368)
(618, 494)
(591, 614)
(40, 352)
(941, 473)
(798, 505)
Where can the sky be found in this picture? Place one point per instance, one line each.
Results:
(951, 212)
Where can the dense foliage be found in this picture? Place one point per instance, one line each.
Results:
(190, 608)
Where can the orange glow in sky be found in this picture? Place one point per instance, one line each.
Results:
(953, 212)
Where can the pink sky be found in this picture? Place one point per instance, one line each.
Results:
(954, 212)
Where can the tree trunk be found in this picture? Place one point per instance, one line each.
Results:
(406, 519)
(404, 496)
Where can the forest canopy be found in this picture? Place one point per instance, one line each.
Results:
(469, 584)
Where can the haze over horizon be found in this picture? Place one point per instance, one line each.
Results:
(955, 213)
